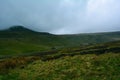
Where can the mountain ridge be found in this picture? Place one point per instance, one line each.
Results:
(22, 28)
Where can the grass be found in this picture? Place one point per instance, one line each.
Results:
(11, 63)
(14, 47)
(95, 62)
(82, 67)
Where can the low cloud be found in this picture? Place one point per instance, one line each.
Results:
(61, 16)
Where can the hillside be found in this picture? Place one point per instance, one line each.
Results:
(94, 62)
(20, 40)
(17, 40)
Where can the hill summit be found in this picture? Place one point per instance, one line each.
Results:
(18, 28)
(21, 29)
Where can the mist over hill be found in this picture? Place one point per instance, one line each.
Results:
(61, 16)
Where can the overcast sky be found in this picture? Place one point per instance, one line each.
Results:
(61, 16)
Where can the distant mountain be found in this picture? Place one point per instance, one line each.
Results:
(18, 28)
(18, 39)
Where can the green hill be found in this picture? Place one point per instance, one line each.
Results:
(20, 40)
(17, 40)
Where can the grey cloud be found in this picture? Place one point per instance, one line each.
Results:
(61, 16)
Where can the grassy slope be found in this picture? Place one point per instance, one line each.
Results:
(24, 41)
(89, 66)
(92, 38)
(19, 40)
(83, 67)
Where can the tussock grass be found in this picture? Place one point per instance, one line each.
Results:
(82, 67)
(11, 63)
